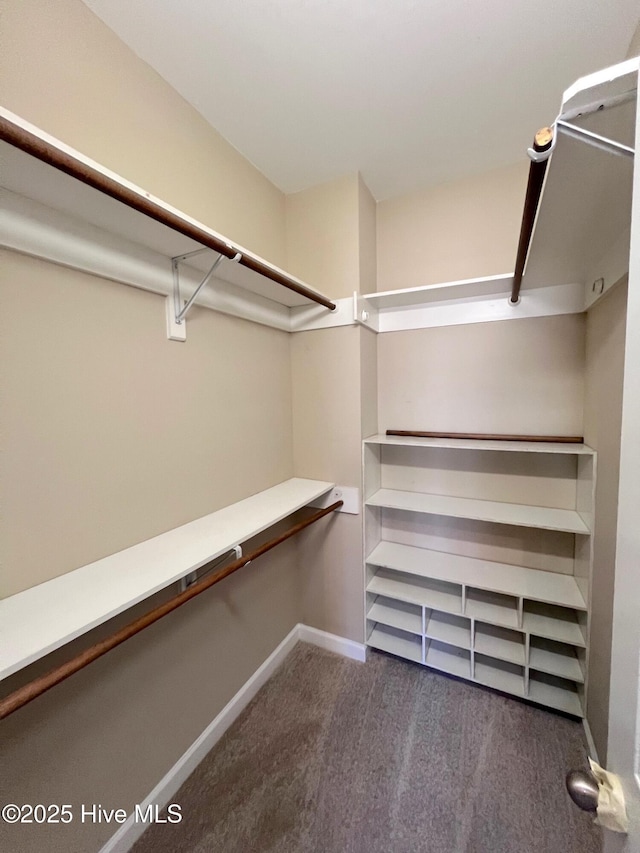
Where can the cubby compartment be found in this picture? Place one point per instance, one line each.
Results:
(396, 642)
(554, 623)
(499, 674)
(396, 614)
(557, 659)
(455, 630)
(448, 658)
(439, 595)
(492, 607)
(501, 643)
(555, 692)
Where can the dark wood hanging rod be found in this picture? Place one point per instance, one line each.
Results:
(40, 685)
(28, 142)
(543, 141)
(483, 436)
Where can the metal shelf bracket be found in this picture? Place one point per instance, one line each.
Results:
(177, 312)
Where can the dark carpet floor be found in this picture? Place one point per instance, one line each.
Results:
(334, 756)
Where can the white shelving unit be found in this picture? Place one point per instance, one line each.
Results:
(33, 623)
(437, 591)
(576, 255)
(49, 213)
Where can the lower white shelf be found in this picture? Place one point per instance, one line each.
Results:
(448, 659)
(35, 622)
(447, 628)
(396, 642)
(555, 693)
(555, 659)
(396, 614)
(554, 623)
(500, 675)
(430, 593)
(499, 655)
(500, 643)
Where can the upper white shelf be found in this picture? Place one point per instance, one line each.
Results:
(85, 208)
(45, 617)
(581, 232)
(585, 210)
(481, 444)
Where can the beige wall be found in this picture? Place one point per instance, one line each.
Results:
(111, 433)
(63, 70)
(331, 370)
(322, 236)
(514, 376)
(367, 235)
(111, 732)
(463, 229)
(602, 425)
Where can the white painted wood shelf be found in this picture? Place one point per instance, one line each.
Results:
(502, 578)
(575, 254)
(53, 215)
(519, 630)
(545, 518)
(39, 620)
(553, 447)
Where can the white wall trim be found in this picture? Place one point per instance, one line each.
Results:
(161, 795)
(591, 744)
(332, 643)
(39, 231)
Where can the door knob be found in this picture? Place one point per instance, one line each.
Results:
(583, 789)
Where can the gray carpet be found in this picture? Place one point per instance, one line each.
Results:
(333, 756)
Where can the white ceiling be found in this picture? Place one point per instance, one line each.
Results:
(408, 92)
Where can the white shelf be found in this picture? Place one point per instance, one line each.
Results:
(454, 630)
(397, 614)
(410, 297)
(571, 237)
(448, 659)
(552, 623)
(561, 695)
(500, 643)
(556, 660)
(492, 607)
(533, 584)
(545, 518)
(499, 675)
(556, 448)
(572, 243)
(45, 617)
(433, 594)
(137, 239)
(396, 642)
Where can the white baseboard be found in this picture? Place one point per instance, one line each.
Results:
(130, 831)
(332, 643)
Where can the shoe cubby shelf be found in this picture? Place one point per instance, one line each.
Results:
(451, 603)
(508, 659)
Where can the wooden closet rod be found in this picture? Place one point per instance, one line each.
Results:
(38, 686)
(42, 150)
(484, 436)
(543, 141)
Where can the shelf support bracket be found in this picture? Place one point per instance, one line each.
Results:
(176, 327)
